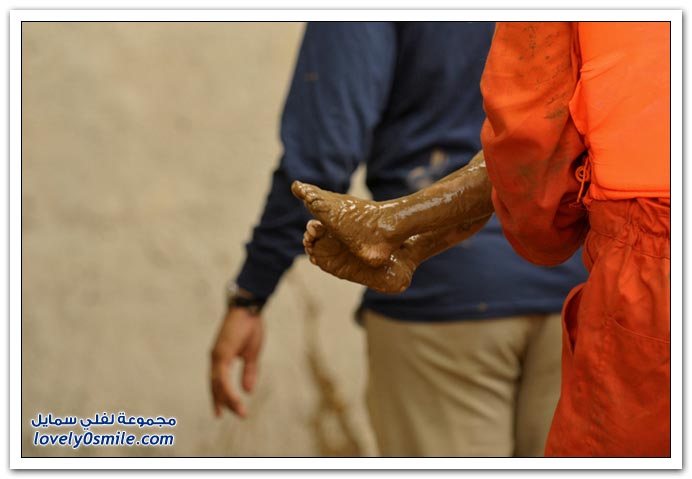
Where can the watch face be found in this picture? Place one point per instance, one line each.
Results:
(231, 288)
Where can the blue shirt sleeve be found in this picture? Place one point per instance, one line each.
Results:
(338, 94)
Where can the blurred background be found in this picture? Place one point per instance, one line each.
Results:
(147, 150)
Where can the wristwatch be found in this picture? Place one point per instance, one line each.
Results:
(236, 299)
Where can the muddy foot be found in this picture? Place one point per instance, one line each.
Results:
(365, 227)
(326, 251)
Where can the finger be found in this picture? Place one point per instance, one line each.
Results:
(234, 403)
(249, 374)
(218, 401)
(227, 396)
(217, 370)
(222, 390)
(251, 359)
(217, 404)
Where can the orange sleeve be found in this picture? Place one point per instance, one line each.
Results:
(530, 143)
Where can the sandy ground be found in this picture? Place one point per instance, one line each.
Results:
(146, 155)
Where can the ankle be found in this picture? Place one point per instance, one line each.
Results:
(387, 221)
(409, 255)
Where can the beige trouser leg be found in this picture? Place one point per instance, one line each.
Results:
(465, 388)
(539, 388)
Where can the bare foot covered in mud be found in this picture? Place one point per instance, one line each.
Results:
(333, 256)
(364, 227)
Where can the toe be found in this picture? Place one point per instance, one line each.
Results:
(316, 229)
(298, 189)
(313, 197)
(307, 240)
(310, 195)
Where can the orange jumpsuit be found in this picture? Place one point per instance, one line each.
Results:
(577, 146)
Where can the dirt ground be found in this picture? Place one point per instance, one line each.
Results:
(147, 151)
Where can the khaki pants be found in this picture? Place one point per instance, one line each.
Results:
(472, 388)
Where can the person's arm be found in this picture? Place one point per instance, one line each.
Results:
(338, 93)
(531, 146)
(428, 223)
(373, 230)
(458, 199)
(337, 96)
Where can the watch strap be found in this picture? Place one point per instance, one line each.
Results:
(252, 304)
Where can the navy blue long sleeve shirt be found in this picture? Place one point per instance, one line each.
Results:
(404, 99)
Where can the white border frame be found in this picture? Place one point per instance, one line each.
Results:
(18, 16)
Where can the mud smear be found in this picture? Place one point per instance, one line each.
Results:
(334, 433)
